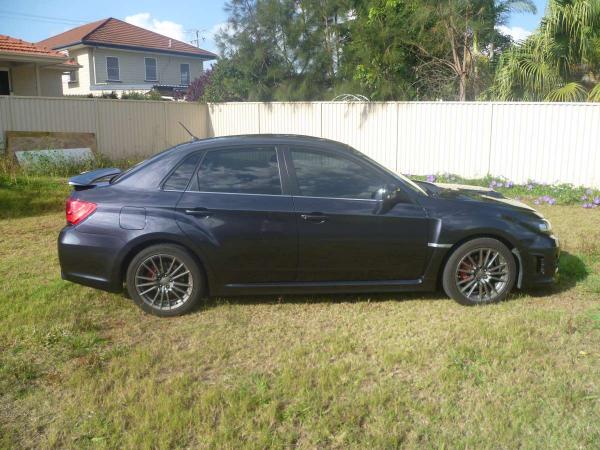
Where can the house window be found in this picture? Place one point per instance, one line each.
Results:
(150, 69)
(185, 74)
(4, 82)
(73, 76)
(112, 68)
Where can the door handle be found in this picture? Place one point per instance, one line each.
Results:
(314, 217)
(198, 212)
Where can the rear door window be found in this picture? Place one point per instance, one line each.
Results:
(181, 176)
(240, 171)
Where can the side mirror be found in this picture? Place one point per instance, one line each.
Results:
(387, 197)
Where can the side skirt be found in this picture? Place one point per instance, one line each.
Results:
(327, 287)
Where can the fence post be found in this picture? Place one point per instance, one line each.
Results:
(397, 130)
(165, 114)
(258, 116)
(97, 125)
(490, 143)
(321, 121)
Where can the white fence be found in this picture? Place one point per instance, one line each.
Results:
(547, 142)
(123, 128)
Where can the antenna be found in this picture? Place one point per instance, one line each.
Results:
(194, 138)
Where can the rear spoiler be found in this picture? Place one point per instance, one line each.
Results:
(88, 180)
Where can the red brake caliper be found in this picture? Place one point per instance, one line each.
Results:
(464, 273)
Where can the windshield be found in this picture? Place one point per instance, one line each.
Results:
(407, 181)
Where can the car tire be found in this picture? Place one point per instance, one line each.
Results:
(480, 271)
(165, 280)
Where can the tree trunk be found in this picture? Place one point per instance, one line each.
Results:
(462, 87)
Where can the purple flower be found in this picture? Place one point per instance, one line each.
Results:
(530, 187)
(584, 198)
(546, 198)
(499, 185)
(589, 191)
(587, 205)
(493, 183)
(536, 202)
(596, 201)
(509, 184)
(552, 201)
(431, 178)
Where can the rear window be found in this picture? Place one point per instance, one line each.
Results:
(241, 171)
(180, 178)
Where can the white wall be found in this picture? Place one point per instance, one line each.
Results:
(132, 71)
(24, 80)
(82, 85)
(124, 128)
(546, 142)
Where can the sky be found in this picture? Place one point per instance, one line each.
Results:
(33, 20)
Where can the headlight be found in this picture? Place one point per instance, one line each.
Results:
(545, 226)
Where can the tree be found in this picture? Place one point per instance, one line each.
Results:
(428, 48)
(284, 49)
(197, 87)
(226, 83)
(559, 62)
(377, 55)
(470, 29)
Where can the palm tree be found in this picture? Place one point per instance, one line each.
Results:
(559, 62)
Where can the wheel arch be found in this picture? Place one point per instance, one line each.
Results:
(499, 237)
(149, 241)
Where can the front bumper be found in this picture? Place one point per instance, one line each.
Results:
(540, 262)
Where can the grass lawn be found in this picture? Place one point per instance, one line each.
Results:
(80, 368)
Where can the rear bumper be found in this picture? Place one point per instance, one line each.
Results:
(540, 263)
(90, 259)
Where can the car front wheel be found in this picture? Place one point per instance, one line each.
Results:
(480, 271)
(165, 280)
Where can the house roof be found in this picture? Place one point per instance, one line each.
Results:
(10, 46)
(113, 32)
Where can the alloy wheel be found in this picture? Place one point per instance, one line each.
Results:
(482, 275)
(163, 282)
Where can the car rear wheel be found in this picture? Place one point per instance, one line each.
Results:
(165, 280)
(480, 271)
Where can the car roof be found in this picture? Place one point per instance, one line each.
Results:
(256, 139)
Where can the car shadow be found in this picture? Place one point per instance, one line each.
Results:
(322, 298)
(571, 271)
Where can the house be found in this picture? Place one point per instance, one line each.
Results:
(116, 56)
(30, 69)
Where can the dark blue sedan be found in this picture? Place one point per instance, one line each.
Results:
(280, 214)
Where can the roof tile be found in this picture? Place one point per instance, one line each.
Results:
(115, 32)
(19, 47)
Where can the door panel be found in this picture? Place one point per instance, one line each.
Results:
(342, 234)
(348, 241)
(245, 238)
(237, 215)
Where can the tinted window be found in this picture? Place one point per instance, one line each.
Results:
(322, 175)
(244, 171)
(180, 178)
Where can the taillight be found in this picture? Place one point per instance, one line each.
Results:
(78, 210)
